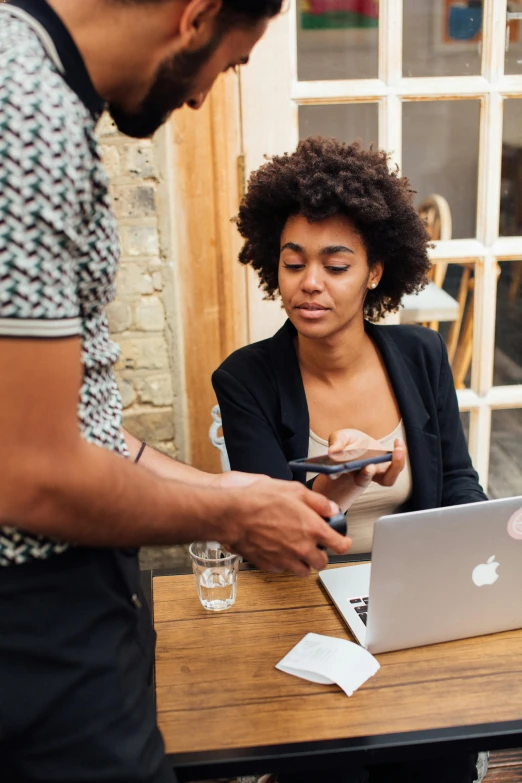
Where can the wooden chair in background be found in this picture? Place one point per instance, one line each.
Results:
(436, 213)
(516, 281)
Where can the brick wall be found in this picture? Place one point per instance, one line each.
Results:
(141, 317)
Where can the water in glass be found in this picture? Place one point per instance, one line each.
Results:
(217, 588)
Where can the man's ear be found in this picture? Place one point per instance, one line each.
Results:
(197, 23)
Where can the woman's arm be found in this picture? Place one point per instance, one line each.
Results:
(252, 445)
(460, 482)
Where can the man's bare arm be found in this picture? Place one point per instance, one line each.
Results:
(54, 483)
(164, 466)
(169, 468)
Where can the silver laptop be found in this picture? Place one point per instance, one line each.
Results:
(436, 575)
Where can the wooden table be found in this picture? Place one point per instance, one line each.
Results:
(225, 710)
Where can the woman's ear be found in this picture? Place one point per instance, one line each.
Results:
(375, 275)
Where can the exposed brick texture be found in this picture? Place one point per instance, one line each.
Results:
(137, 317)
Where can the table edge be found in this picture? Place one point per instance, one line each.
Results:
(485, 736)
(376, 748)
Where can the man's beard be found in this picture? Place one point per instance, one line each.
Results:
(173, 86)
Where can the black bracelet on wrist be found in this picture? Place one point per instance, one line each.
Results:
(140, 452)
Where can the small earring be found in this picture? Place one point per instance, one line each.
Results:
(373, 285)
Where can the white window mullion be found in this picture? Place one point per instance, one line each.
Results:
(479, 442)
(494, 40)
(390, 127)
(508, 248)
(461, 249)
(497, 398)
(490, 154)
(443, 87)
(390, 72)
(390, 41)
(488, 212)
(490, 164)
(485, 306)
(511, 85)
(338, 91)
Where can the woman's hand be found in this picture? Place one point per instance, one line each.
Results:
(358, 442)
(350, 486)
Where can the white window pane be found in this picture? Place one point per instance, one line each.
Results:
(345, 122)
(440, 156)
(513, 62)
(511, 184)
(505, 467)
(337, 40)
(508, 331)
(442, 37)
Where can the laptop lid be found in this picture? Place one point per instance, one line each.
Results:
(445, 573)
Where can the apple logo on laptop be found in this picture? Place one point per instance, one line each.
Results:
(485, 573)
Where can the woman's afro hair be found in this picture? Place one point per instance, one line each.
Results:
(325, 177)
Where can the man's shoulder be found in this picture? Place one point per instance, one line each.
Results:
(36, 104)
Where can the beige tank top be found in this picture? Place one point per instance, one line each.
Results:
(375, 502)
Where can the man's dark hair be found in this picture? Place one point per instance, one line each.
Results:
(323, 178)
(233, 11)
(253, 9)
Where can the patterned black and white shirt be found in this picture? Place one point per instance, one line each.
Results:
(58, 237)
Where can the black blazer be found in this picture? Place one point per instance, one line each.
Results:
(266, 422)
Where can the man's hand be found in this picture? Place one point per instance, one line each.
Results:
(278, 526)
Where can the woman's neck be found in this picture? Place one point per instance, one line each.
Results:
(336, 355)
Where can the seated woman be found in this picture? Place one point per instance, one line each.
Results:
(333, 232)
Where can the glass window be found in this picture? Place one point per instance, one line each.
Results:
(508, 334)
(346, 122)
(440, 156)
(465, 418)
(513, 61)
(505, 465)
(337, 39)
(446, 305)
(442, 37)
(511, 182)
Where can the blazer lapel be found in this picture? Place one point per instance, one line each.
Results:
(295, 419)
(423, 446)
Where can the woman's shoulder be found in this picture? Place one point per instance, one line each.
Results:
(262, 358)
(248, 364)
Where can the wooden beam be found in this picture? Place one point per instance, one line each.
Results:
(212, 283)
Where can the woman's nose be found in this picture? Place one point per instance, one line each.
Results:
(312, 280)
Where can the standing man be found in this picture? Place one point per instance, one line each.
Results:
(76, 644)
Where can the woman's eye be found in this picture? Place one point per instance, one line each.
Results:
(293, 266)
(337, 268)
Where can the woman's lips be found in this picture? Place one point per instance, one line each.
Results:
(312, 311)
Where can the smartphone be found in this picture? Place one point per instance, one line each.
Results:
(342, 462)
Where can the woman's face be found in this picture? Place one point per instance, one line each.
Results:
(323, 274)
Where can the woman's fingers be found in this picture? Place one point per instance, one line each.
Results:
(340, 440)
(389, 472)
(364, 477)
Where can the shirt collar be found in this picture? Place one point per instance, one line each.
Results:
(75, 72)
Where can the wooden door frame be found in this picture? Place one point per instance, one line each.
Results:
(212, 293)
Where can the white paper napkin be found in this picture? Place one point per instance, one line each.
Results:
(327, 660)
